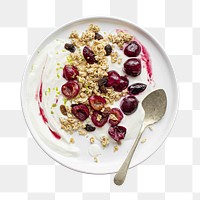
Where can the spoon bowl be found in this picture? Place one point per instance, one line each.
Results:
(154, 106)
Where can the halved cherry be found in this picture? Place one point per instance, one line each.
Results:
(89, 55)
(117, 114)
(80, 111)
(97, 102)
(70, 72)
(117, 133)
(70, 89)
(99, 119)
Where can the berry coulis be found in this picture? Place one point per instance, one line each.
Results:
(42, 114)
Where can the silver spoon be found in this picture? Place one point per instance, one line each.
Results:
(154, 106)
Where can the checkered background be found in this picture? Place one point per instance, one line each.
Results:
(27, 173)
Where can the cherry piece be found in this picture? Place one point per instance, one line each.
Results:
(117, 133)
(118, 114)
(129, 105)
(136, 88)
(99, 119)
(97, 102)
(70, 72)
(70, 89)
(113, 78)
(133, 49)
(123, 84)
(132, 67)
(80, 111)
(89, 55)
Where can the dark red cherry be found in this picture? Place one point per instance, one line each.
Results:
(123, 84)
(117, 133)
(133, 49)
(113, 78)
(70, 72)
(136, 88)
(70, 89)
(118, 114)
(80, 111)
(89, 55)
(97, 102)
(129, 105)
(132, 67)
(99, 119)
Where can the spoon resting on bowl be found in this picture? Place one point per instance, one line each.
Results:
(154, 105)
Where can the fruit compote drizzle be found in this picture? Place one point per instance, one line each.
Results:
(42, 114)
(146, 58)
(39, 105)
(55, 134)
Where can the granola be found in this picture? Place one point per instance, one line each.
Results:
(90, 74)
(104, 141)
(92, 140)
(91, 88)
(120, 39)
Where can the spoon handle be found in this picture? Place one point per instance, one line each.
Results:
(121, 174)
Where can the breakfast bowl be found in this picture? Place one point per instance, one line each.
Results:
(82, 90)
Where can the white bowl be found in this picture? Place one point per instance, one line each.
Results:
(164, 77)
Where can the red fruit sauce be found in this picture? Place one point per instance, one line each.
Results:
(42, 114)
(55, 134)
(40, 92)
(146, 58)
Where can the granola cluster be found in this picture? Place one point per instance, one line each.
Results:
(121, 38)
(70, 123)
(104, 141)
(86, 37)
